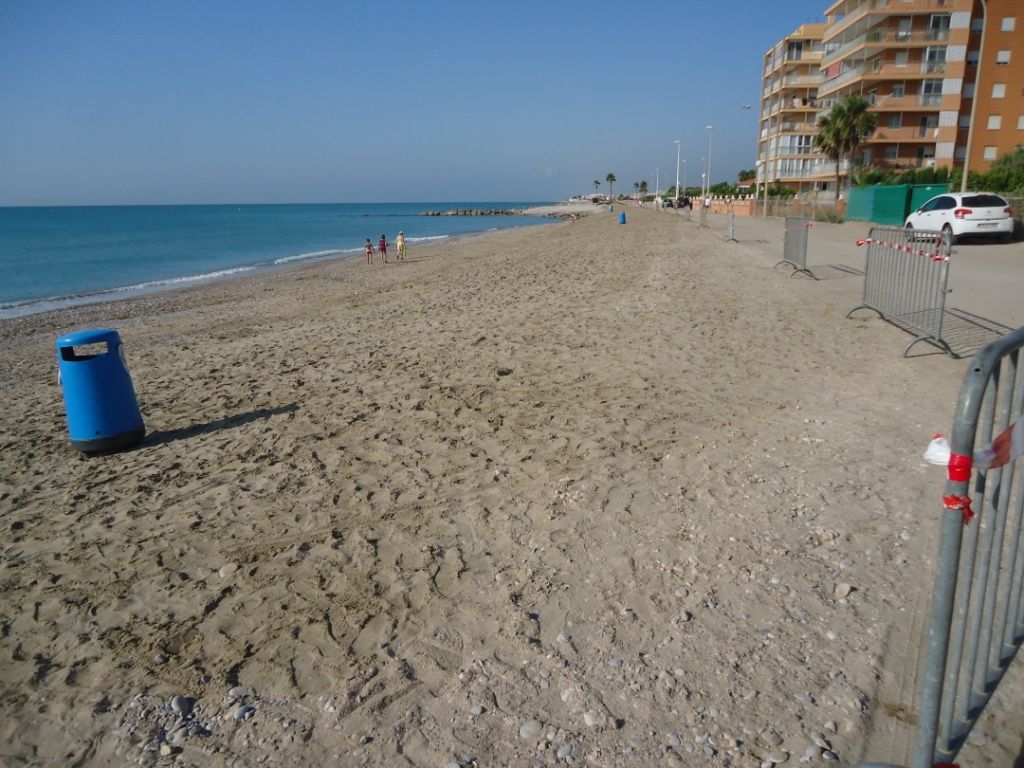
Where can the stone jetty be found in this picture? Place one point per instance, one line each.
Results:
(476, 212)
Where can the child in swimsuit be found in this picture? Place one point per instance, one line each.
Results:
(382, 246)
(368, 250)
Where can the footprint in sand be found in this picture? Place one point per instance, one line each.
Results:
(373, 634)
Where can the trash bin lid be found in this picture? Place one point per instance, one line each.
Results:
(92, 336)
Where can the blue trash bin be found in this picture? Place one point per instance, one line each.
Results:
(622, 218)
(99, 398)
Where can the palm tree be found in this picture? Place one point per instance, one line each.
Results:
(636, 188)
(843, 129)
(597, 185)
(610, 178)
(643, 188)
(827, 141)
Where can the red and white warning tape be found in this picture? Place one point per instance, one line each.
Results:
(1005, 449)
(934, 256)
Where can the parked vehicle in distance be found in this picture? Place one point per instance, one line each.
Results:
(965, 213)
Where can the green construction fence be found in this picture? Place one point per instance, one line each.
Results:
(889, 203)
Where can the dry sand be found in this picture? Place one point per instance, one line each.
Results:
(599, 494)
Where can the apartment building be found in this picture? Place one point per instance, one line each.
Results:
(918, 64)
(789, 102)
(908, 59)
(999, 114)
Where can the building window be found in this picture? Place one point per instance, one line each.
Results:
(1008, 24)
(995, 122)
(891, 152)
(972, 58)
(901, 58)
(931, 93)
(1020, 123)
(1003, 58)
(998, 90)
(960, 153)
(965, 121)
(990, 153)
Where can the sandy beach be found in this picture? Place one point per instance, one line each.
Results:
(583, 494)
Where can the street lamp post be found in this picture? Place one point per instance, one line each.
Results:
(703, 175)
(678, 148)
(709, 129)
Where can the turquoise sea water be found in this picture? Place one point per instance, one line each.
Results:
(53, 257)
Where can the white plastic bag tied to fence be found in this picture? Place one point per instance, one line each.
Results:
(1008, 447)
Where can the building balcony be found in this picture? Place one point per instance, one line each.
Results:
(877, 70)
(796, 152)
(811, 81)
(916, 133)
(776, 63)
(881, 9)
(882, 38)
(822, 170)
(926, 101)
(791, 127)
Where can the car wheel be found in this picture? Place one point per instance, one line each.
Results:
(1006, 237)
(947, 232)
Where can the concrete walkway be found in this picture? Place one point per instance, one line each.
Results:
(986, 278)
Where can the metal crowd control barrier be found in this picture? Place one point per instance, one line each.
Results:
(906, 275)
(730, 227)
(794, 247)
(977, 614)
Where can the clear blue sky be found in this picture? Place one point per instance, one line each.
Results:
(299, 101)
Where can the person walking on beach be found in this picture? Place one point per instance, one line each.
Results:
(368, 250)
(400, 245)
(382, 246)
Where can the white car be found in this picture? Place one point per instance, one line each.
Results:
(965, 213)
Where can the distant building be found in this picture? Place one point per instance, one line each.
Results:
(917, 63)
(791, 76)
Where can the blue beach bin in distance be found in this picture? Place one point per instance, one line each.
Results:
(99, 398)
(622, 218)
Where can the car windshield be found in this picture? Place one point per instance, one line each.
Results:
(985, 201)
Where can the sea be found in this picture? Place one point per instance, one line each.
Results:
(57, 257)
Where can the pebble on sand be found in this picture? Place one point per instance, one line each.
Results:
(181, 704)
(593, 718)
(227, 570)
(529, 729)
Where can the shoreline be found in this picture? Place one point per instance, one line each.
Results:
(33, 307)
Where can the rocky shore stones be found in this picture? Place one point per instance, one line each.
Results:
(181, 704)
